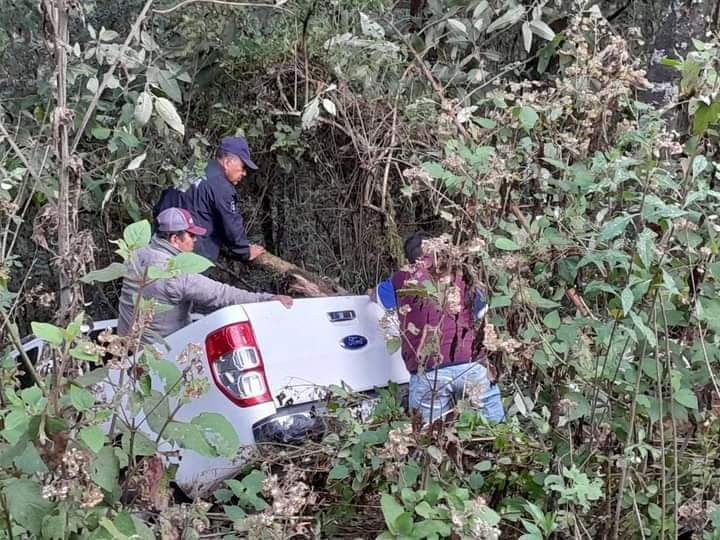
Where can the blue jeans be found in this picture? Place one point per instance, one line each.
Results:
(450, 384)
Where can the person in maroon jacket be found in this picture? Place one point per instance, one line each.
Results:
(438, 332)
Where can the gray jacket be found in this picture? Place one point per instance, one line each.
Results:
(179, 293)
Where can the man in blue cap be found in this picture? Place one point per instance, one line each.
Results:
(212, 201)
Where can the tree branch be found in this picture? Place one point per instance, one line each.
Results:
(18, 151)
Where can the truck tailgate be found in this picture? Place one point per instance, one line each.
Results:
(323, 341)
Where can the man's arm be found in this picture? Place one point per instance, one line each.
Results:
(384, 294)
(211, 294)
(480, 305)
(233, 227)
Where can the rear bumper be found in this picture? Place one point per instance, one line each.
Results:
(291, 425)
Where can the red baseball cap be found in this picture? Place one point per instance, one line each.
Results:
(178, 219)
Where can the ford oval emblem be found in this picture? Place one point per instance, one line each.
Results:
(354, 342)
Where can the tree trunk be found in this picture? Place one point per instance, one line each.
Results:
(70, 291)
(683, 22)
(304, 282)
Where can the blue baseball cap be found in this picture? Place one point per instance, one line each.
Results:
(238, 146)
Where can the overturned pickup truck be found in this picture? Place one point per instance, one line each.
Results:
(264, 366)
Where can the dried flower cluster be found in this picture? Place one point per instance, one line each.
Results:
(290, 494)
(195, 384)
(183, 520)
(494, 343)
(115, 346)
(470, 526)
(72, 479)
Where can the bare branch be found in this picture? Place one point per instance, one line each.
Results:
(18, 151)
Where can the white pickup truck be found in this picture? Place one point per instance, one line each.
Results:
(267, 365)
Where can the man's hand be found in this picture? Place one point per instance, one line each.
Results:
(372, 294)
(284, 300)
(255, 251)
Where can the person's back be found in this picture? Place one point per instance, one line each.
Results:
(213, 202)
(162, 322)
(202, 198)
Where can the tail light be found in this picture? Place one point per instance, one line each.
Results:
(236, 365)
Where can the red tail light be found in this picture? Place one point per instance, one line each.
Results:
(236, 364)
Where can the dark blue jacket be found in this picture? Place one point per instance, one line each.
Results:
(212, 201)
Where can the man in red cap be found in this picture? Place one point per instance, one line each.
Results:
(212, 201)
(176, 233)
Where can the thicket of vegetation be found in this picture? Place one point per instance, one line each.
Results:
(524, 130)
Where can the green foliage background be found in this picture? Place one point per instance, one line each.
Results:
(517, 127)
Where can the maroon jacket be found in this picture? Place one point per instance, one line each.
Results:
(454, 331)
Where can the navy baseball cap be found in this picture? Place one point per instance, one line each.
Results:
(178, 219)
(239, 147)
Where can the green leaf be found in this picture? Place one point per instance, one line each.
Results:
(105, 469)
(143, 108)
(511, 16)
(138, 234)
(506, 244)
(142, 445)
(391, 510)
(154, 272)
(248, 489)
(687, 398)
(552, 320)
(530, 296)
(100, 133)
(109, 273)
(424, 510)
(81, 399)
(219, 432)
(167, 371)
(253, 482)
(338, 472)
(434, 169)
(190, 263)
(392, 344)
(628, 298)
(169, 85)
(169, 114)
(73, 329)
(646, 247)
(93, 437)
(81, 352)
(156, 409)
(16, 425)
(93, 377)
(431, 528)
(541, 29)
(234, 513)
(189, 436)
(26, 504)
(669, 282)
(29, 461)
(486, 123)
(614, 228)
(404, 524)
(528, 117)
(48, 332)
(488, 515)
(640, 325)
(654, 511)
(54, 527)
(704, 116)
